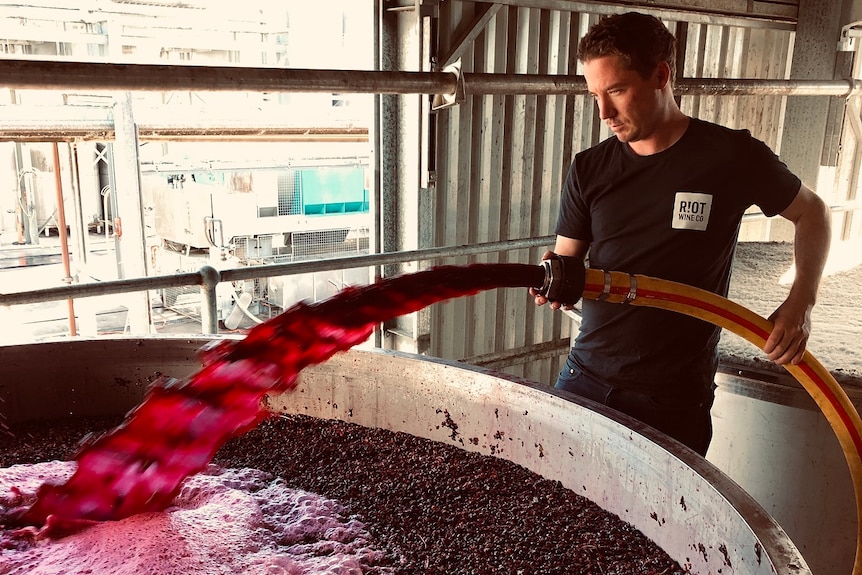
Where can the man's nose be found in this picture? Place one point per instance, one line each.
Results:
(606, 108)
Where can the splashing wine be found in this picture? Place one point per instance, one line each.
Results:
(174, 433)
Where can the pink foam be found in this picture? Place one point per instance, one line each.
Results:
(224, 521)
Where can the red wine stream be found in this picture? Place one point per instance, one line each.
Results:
(175, 431)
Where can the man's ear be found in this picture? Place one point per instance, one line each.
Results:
(662, 75)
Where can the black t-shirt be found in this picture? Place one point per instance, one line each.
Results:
(674, 215)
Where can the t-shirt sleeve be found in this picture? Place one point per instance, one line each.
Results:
(573, 220)
(774, 186)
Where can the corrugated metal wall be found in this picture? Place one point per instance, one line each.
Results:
(501, 159)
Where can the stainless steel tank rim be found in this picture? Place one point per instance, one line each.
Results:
(772, 386)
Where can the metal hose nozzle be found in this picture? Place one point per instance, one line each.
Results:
(564, 279)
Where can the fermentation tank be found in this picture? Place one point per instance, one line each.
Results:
(772, 439)
(701, 518)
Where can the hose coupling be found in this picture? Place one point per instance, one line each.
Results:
(564, 279)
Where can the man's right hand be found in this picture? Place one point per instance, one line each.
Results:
(539, 298)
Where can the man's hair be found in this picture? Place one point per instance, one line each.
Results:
(639, 40)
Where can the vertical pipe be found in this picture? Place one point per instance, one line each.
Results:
(29, 226)
(375, 138)
(130, 233)
(80, 227)
(64, 240)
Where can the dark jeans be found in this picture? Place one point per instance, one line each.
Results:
(686, 420)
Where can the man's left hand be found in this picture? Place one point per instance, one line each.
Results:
(789, 337)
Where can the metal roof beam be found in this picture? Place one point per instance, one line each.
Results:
(749, 14)
(469, 34)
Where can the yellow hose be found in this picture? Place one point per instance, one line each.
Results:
(633, 289)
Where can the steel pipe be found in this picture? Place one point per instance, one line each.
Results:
(551, 85)
(204, 277)
(37, 130)
(766, 87)
(57, 75)
(64, 240)
(101, 288)
(64, 75)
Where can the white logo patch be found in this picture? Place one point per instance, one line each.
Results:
(691, 211)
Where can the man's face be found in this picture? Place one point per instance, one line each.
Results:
(629, 104)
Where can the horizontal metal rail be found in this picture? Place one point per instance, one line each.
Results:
(67, 75)
(767, 87)
(554, 85)
(100, 76)
(23, 129)
(208, 277)
(521, 355)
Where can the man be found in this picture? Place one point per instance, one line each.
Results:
(664, 198)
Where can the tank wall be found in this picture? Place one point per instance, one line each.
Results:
(60, 379)
(774, 441)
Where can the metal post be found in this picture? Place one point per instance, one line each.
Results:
(129, 234)
(64, 241)
(210, 278)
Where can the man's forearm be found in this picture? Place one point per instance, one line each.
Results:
(813, 234)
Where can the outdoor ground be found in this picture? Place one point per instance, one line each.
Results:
(761, 281)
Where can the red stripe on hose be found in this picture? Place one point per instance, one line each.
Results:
(715, 309)
(690, 301)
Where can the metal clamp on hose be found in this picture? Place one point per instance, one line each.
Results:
(606, 286)
(564, 279)
(633, 289)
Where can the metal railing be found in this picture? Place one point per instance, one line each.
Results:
(209, 277)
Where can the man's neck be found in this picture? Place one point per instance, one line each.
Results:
(669, 134)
